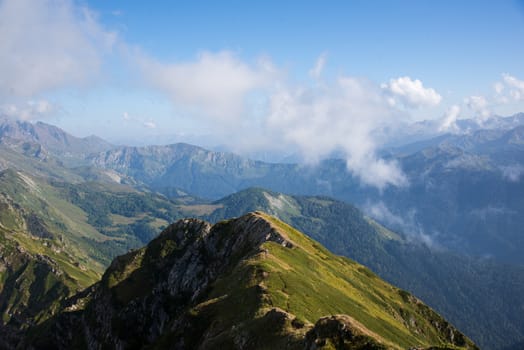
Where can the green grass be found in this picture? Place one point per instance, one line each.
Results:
(266, 295)
(37, 279)
(308, 282)
(199, 209)
(84, 276)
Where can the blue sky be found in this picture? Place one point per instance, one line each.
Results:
(207, 71)
(449, 43)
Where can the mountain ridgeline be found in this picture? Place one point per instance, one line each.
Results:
(248, 283)
(69, 205)
(57, 238)
(464, 189)
(23, 134)
(477, 295)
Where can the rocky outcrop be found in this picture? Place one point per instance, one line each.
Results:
(246, 283)
(341, 332)
(149, 290)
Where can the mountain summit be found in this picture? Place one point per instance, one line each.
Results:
(23, 134)
(247, 283)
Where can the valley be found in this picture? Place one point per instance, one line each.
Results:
(80, 213)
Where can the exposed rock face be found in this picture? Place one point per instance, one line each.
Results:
(194, 169)
(176, 270)
(199, 286)
(342, 332)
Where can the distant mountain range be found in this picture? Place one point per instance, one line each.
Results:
(464, 193)
(54, 140)
(98, 201)
(429, 129)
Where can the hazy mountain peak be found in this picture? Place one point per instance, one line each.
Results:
(53, 139)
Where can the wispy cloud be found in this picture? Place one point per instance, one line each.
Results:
(407, 225)
(31, 110)
(48, 44)
(145, 122)
(480, 107)
(491, 211)
(512, 173)
(150, 124)
(316, 71)
(449, 122)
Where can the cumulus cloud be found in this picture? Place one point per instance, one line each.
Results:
(515, 87)
(48, 44)
(31, 110)
(449, 121)
(215, 84)
(254, 107)
(336, 116)
(411, 93)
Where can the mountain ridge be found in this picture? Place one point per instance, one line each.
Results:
(234, 284)
(442, 279)
(55, 140)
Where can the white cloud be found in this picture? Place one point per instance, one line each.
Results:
(31, 110)
(381, 212)
(337, 116)
(479, 106)
(411, 93)
(316, 71)
(408, 224)
(48, 44)
(449, 121)
(498, 87)
(515, 87)
(253, 107)
(509, 90)
(491, 211)
(512, 173)
(215, 84)
(147, 123)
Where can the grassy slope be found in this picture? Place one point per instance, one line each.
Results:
(93, 221)
(51, 236)
(34, 280)
(305, 282)
(338, 285)
(478, 296)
